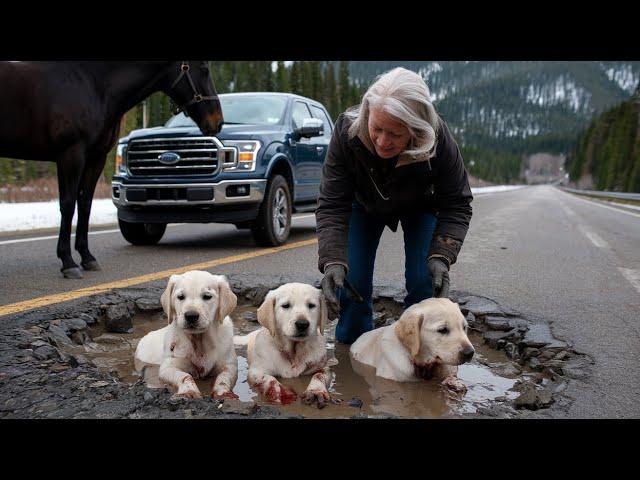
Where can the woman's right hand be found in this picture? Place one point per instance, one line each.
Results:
(334, 276)
(439, 277)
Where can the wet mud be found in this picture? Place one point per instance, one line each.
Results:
(71, 362)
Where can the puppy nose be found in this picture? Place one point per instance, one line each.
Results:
(191, 317)
(302, 324)
(467, 353)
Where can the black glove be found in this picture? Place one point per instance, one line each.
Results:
(334, 277)
(439, 270)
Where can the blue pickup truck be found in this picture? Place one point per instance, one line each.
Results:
(264, 164)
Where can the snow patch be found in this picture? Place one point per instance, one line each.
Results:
(36, 215)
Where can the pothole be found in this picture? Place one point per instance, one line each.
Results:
(490, 375)
(518, 364)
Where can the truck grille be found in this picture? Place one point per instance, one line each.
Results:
(199, 156)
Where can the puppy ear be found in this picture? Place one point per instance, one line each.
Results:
(407, 330)
(267, 314)
(324, 314)
(227, 300)
(166, 298)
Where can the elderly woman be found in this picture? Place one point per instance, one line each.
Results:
(391, 160)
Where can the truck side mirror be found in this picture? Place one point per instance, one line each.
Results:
(311, 127)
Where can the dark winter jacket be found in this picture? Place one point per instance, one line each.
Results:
(352, 171)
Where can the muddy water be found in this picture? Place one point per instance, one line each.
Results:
(354, 387)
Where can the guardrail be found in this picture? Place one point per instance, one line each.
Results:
(596, 193)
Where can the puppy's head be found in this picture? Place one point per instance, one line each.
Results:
(197, 300)
(435, 332)
(295, 311)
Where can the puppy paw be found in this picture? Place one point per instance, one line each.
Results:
(224, 394)
(455, 385)
(188, 389)
(322, 397)
(188, 394)
(280, 393)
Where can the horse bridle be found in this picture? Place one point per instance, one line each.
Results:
(197, 98)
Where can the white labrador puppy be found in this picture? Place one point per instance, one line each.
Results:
(290, 343)
(198, 342)
(428, 341)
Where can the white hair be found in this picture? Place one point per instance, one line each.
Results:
(404, 95)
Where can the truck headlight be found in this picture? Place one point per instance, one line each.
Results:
(247, 154)
(120, 153)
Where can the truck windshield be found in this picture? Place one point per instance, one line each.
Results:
(241, 109)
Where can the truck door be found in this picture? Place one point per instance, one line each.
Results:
(305, 156)
(321, 145)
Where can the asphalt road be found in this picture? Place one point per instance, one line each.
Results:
(555, 257)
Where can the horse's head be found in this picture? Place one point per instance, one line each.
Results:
(191, 88)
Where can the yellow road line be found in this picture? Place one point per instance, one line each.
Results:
(127, 282)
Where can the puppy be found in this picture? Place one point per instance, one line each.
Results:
(289, 344)
(198, 342)
(428, 341)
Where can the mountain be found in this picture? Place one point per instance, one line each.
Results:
(516, 100)
(512, 109)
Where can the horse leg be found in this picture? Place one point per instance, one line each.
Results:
(93, 169)
(70, 166)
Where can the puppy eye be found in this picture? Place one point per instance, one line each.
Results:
(181, 296)
(207, 296)
(311, 305)
(443, 330)
(285, 305)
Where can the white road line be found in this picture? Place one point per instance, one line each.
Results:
(100, 232)
(624, 205)
(603, 206)
(632, 275)
(594, 237)
(35, 239)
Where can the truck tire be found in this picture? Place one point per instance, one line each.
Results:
(142, 233)
(273, 224)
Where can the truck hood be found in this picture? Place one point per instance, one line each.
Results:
(228, 132)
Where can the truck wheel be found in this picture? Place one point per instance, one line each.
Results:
(142, 233)
(271, 227)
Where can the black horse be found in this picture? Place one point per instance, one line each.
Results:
(70, 113)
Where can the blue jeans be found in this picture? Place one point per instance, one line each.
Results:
(364, 236)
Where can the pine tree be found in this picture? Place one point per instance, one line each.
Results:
(233, 77)
(269, 77)
(633, 184)
(221, 74)
(243, 79)
(282, 78)
(153, 109)
(307, 79)
(331, 92)
(343, 86)
(296, 78)
(355, 94)
(316, 80)
(258, 72)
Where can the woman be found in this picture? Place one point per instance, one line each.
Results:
(391, 159)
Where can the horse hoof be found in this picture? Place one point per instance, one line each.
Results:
(73, 272)
(92, 266)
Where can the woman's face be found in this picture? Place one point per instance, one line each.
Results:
(389, 136)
